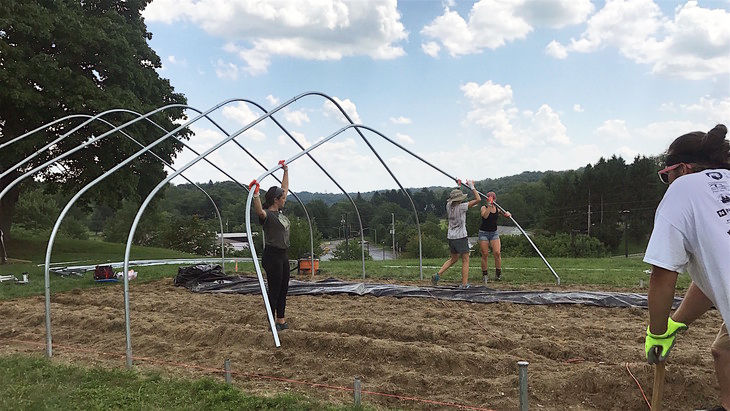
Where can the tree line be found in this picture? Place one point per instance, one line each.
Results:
(604, 201)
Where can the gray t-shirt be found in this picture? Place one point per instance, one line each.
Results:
(457, 220)
(276, 229)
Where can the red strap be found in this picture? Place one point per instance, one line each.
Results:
(253, 183)
(282, 162)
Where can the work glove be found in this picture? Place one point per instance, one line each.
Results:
(257, 186)
(283, 165)
(657, 347)
(470, 184)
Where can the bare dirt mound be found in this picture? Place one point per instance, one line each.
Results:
(446, 351)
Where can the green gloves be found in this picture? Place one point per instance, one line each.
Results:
(657, 347)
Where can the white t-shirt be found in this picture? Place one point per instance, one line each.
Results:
(457, 220)
(692, 233)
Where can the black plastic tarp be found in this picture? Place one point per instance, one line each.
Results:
(480, 294)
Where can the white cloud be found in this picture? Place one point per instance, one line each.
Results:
(273, 101)
(174, 60)
(577, 108)
(556, 50)
(226, 70)
(627, 153)
(613, 130)
(694, 44)
(492, 23)
(241, 113)
(714, 110)
(404, 138)
(431, 48)
(400, 120)
(308, 29)
(331, 111)
(297, 117)
(494, 110)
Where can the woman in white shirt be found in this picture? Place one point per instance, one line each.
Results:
(692, 234)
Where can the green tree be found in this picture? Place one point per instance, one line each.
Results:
(66, 57)
(299, 243)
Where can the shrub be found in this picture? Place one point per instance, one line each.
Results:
(350, 250)
(558, 245)
(431, 247)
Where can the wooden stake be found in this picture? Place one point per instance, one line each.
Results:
(658, 390)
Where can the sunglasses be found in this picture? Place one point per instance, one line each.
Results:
(664, 173)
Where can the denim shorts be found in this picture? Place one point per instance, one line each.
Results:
(488, 235)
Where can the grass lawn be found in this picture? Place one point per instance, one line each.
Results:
(31, 382)
(614, 272)
(84, 252)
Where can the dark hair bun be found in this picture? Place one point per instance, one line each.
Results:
(715, 147)
(718, 131)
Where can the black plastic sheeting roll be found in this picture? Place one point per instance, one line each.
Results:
(249, 285)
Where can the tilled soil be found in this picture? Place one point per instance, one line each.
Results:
(443, 351)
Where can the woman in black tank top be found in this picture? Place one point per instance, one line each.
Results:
(488, 237)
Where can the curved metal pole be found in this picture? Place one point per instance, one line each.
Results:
(98, 116)
(217, 211)
(158, 188)
(43, 127)
(162, 183)
(215, 207)
(248, 227)
(330, 177)
(73, 200)
(408, 195)
(454, 178)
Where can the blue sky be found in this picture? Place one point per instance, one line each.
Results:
(482, 89)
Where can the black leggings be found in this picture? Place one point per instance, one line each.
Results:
(276, 265)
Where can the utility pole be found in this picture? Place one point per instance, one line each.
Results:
(625, 215)
(392, 231)
(589, 212)
(601, 209)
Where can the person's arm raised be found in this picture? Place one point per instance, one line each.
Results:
(257, 208)
(477, 199)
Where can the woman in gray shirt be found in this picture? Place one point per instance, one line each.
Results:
(458, 243)
(275, 259)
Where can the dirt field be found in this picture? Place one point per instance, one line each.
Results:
(453, 352)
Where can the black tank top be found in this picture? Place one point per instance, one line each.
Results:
(489, 223)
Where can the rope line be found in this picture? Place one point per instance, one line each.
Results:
(648, 404)
(253, 375)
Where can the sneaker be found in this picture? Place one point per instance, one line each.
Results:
(435, 279)
(465, 286)
(282, 326)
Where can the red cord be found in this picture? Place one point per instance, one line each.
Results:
(640, 389)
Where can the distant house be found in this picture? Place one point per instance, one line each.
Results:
(236, 241)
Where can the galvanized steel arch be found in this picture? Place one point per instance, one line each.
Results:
(357, 211)
(90, 141)
(207, 152)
